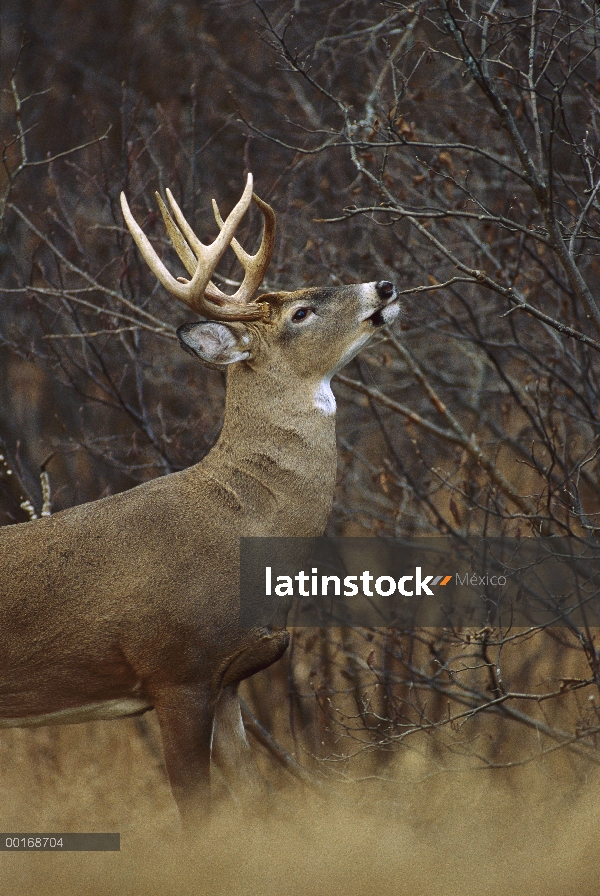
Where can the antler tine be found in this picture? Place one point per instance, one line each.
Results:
(190, 262)
(149, 255)
(256, 265)
(198, 293)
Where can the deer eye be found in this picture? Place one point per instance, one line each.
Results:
(300, 314)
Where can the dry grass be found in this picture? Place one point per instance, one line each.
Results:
(424, 830)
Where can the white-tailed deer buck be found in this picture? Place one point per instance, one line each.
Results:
(131, 602)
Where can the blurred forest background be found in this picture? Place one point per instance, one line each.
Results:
(450, 147)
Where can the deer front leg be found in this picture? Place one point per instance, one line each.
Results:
(231, 750)
(186, 716)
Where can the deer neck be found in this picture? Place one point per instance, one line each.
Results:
(277, 445)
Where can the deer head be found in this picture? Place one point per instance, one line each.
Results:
(312, 332)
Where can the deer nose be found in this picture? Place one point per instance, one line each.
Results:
(385, 289)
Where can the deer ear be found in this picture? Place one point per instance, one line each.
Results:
(216, 344)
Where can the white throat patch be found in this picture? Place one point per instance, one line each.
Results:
(324, 399)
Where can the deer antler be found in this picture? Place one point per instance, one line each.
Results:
(200, 260)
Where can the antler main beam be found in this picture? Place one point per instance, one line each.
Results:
(201, 260)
